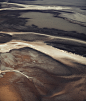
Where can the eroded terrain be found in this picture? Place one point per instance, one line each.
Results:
(30, 75)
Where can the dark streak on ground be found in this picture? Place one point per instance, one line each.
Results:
(80, 50)
(5, 38)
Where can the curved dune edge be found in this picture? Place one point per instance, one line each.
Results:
(42, 47)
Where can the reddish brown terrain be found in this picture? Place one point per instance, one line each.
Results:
(28, 75)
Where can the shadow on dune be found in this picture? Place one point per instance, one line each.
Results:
(64, 44)
(5, 38)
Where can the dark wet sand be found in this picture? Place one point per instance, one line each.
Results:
(5, 38)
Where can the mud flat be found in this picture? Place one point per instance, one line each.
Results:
(28, 21)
